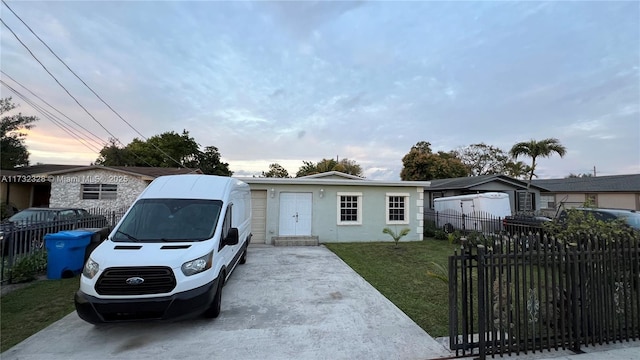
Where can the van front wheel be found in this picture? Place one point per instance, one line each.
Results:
(243, 258)
(214, 309)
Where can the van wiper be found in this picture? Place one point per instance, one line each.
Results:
(127, 235)
(173, 240)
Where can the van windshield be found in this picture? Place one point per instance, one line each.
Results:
(165, 220)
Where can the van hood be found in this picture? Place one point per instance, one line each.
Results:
(171, 254)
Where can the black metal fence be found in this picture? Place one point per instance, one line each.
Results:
(455, 220)
(26, 238)
(507, 298)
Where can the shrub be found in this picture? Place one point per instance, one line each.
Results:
(398, 236)
(430, 229)
(26, 267)
(439, 234)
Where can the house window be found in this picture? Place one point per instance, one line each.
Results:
(547, 201)
(349, 208)
(397, 208)
(525, 203)
(99, 191)
(591, 200)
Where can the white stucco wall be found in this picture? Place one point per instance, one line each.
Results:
(66, 189)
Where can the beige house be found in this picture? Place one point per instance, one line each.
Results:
(616, 191)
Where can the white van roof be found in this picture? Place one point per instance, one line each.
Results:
(191, 186)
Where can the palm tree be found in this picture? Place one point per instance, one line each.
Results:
(534, 149)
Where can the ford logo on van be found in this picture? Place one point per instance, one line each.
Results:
(135, 280)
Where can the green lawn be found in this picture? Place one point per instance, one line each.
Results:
(26, 311)
(400, 274)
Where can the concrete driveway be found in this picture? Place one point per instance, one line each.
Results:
(285, 303)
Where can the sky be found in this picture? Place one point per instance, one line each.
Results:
(287, 82)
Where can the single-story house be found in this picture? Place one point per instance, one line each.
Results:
(334, 207)
(516, 189)
(94, 186)
(28, 186)
(615, 191)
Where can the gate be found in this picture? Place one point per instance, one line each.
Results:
(507, 297)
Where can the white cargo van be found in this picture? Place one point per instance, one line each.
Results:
(474, 212)
(171, 253)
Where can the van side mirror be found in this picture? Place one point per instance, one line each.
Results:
(232, 237)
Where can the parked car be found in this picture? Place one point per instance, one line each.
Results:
(523, 223)
(630, 217)
(26, 229)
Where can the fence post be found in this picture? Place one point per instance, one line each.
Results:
(574, 266)
(482, 325)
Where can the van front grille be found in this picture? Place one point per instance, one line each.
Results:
(136, 281)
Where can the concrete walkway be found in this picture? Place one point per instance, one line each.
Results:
(285, 303)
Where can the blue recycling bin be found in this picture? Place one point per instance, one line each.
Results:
(65, 252)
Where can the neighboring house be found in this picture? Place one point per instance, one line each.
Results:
(28, 186)
(94, 186)
(616, 191)
(516, 189)
(334, 207)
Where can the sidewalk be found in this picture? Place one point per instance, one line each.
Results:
(616, 351)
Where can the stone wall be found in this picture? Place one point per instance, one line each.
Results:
(66, 189)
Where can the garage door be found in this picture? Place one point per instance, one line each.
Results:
(258, 216)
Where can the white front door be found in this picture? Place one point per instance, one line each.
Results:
(295, 214)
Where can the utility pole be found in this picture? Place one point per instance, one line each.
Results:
(594, 171)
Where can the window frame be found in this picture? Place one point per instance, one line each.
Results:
(520, 206)
(544, 201)
(405, 215)
(101, 191)
(358, 196)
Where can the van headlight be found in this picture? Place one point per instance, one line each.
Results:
(90, 268)
(198, 265)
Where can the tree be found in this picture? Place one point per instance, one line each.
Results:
(13, 151)
(535, 149)
(276, 171)
(349, 167)
(325, 165)
(483, 159)
(209, 162)
(517, 169)
(114, 155)
(307, 168)
(168, 149)
(422, 164)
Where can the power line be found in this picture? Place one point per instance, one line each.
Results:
(101, 142)
(53, 118)
(56, 80)
(88, 87)
(67, 91)
(49, 116)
